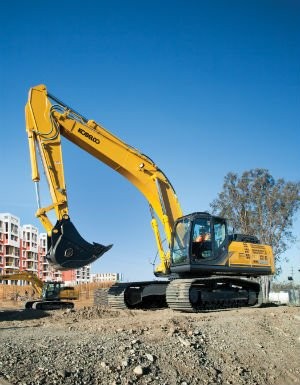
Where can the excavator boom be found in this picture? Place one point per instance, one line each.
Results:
(47, 120)
(27, 276)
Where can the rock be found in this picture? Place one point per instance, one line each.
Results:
(184, 341)
(125, 363)
(150, 357)
(138, 371)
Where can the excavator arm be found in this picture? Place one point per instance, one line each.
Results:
(36, 283)
(47, 120)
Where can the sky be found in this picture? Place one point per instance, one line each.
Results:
(202, 87)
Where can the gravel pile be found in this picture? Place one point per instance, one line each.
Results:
(102, 346)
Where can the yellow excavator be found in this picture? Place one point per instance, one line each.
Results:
(52, 295)
(219, 271)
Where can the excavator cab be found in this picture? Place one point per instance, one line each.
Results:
(68, 250)
(51, 291)
(200, 242)
(57, 291)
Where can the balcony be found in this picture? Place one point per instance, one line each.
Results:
(32, 265)
(31, 260)
(30, 257)
(11, 266)
(14, 256)
(30, 247)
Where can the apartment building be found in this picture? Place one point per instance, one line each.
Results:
(1, 243)
(29, 257)
(78, 276)
(106, 277)
(9, 243)
(24, 248)
(45, 271)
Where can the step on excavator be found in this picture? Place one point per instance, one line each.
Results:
(52, 295)
(203, 266)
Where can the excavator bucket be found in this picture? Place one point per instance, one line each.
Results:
(68, 250)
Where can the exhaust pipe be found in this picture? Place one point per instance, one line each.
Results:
(68, 250)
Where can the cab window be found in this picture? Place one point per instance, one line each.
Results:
(181, 242)
(220, 238)
(201, 242)
(220, 234)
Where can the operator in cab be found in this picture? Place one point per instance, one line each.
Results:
(201, 239)
(202, 231)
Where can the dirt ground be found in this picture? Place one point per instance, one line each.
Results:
(96, 345)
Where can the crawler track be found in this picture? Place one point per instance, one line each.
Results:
(192, 295)
(49, 305)
(187, 295)
(115, 296)
(138, 295)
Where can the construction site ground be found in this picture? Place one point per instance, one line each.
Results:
(97, 345)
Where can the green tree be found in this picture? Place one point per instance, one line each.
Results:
(257, 204)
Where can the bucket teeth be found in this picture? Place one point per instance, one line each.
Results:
(68, 250)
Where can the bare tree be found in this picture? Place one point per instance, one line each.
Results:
(257, 204)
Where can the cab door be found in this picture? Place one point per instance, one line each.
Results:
(209, 241)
